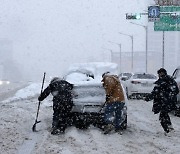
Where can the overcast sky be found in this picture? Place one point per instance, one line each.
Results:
(49, 35)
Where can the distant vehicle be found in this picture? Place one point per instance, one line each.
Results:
(125, 76)
(4, 82)
(89, 94)
(176, 76)
(139, 85)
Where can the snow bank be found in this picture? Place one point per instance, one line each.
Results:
(30, 91)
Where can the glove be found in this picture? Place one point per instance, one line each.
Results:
(146, 99)
(39, 98)
(107, 98)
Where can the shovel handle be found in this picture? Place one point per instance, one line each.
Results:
(34, 126)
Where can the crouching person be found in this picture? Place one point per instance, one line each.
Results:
(62, 103)
(114, 102)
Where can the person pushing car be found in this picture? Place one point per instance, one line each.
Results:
(114, 102)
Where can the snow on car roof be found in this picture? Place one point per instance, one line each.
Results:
(92, 71)
(95, 67)
(144, 76)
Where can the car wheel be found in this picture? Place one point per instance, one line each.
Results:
(138, 96)
(124, 124)
(81, 123)
(100, 123)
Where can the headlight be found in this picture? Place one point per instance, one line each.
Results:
(7, 82)
(4, 82)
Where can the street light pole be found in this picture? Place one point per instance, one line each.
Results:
(163, 51)
(132, 50)
(120, 64)
(146, 29)
(132, 65)
(120, 67)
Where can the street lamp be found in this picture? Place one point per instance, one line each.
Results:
(119, 53)
(111, 52)
(132, 52)
(146, 29)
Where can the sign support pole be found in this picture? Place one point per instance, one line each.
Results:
(163, 51)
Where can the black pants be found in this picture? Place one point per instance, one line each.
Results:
(165, 120)
(61, 115)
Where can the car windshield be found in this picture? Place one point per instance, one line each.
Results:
(127, 74)
(144, 76)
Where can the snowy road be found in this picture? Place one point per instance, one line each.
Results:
(144, 134)
(7, 90)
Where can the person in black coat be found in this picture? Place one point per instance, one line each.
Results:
(62, 103)
(164, 95)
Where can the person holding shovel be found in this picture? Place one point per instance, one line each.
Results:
(62, 103)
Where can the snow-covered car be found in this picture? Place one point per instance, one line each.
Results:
(176, 76)
(89, 94)
(125, 76)
(139, 85)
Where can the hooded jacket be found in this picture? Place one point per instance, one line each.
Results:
(164, 94)
(61, 91)
(113, 89)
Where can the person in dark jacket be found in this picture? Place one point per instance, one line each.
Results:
(164, 95)
(62, 103)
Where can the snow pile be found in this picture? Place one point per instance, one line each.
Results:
(30, 91)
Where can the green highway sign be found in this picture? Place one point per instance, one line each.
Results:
(169, 8)
(169, 19)
(168, 23)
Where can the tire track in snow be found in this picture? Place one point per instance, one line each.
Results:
(29, 144)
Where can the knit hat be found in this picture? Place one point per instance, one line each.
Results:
(162, 70)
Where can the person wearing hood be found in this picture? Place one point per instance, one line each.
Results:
(164, 96)
(61, 91)
(114, 102)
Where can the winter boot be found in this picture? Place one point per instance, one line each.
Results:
(171, 128)
(56, 131)
(108, 128)
(118, 130)
(169, 134)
